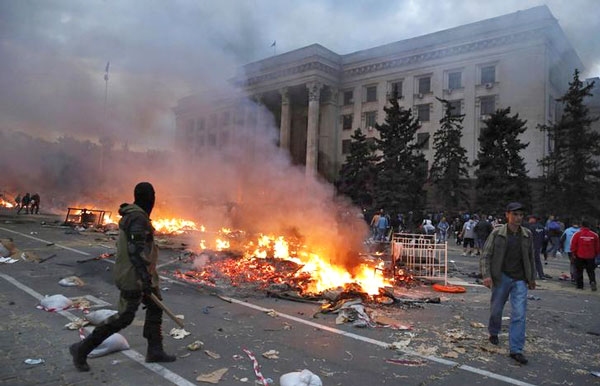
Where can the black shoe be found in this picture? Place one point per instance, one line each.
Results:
(78, 360)
(158, 355)
(548, 276)
(494, 340)
(519, 358)
(593, 285)
(541, 278)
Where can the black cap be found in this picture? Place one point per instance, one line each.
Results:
(514, 206)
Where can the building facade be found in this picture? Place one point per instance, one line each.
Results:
(317, 98)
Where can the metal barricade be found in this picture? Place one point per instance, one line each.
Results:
(421, 256)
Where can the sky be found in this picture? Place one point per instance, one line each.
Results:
(54, 52)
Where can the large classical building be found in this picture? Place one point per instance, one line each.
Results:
(317, 97)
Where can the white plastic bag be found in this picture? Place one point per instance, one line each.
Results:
(114, 343)
(55, 303)
(71, 281)
(302, 378)
(98, 317)
(4, 252)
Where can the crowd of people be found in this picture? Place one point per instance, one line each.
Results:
(29, 202)
(511, 249)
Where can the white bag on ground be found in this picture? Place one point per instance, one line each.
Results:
(4, 252)
(56, 303)
(114, 343)
(98, 317)
(302, 378)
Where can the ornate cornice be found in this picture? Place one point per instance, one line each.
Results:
(445, 52)
(392, 63)
(311, 66)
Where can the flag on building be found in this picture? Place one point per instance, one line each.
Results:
(274, 43)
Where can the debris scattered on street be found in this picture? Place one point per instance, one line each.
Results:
(259, 377)
(55, 303)
(38, 361)
(77, 324)
(195, 346)
(302, 378)
(477, 325)
(213, 377)
(212, 354)
(114, 343)
(178, 333)
(407, 362)
(7, 260)
(99, 316)
(271, 354)
(71, 281)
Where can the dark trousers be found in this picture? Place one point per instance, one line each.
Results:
(538, 263)
(129, 303)
(589, 265)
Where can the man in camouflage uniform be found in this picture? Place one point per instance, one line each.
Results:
(136, 277)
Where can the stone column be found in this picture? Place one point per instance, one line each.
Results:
(312, 129)
(286, 119)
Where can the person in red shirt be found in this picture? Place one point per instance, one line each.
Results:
(585, 247)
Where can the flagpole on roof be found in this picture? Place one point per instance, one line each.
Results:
(274, 45)
(105, 103)
(106, 86)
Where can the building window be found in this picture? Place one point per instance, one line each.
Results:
(371, 94)
(239, 117)
(200, 124)
(252, 118)
(225, 118)
(488, 105)
(425, 85)
(348, 97)
(370, 119)
(455, 108)
(396, 90)
(488, 74)
(212, 139)
(423, 113)
(454, 80)
(346, 146)
(347, 122)
(423, 141)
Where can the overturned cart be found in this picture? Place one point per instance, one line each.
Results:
(420, 255)
(86, 217)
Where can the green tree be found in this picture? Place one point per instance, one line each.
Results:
(357, 175)
(501, 175)
(449, 174)
(571, 169)
(402, 170)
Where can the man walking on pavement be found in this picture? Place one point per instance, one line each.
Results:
(538, 231)
(585, 246)
(507, 267)
(136, 277)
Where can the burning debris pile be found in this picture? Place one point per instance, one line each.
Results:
(286, 269)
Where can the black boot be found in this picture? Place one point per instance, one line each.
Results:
(156, 353)
(79, 351)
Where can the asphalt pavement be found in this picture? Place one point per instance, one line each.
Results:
(446, 345)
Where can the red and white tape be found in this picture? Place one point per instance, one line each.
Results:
(256, 367)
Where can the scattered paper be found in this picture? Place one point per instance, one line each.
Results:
(477, 325)
(8, 260)
(271, 354)
(212, 354)
(213, 377)
(77, 324)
